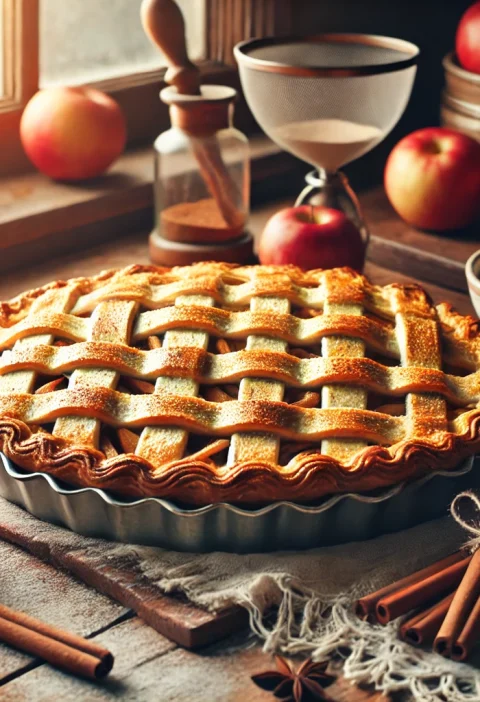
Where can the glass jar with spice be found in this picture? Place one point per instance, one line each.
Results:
(202, 181)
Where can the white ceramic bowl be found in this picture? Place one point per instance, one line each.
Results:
(472, 271)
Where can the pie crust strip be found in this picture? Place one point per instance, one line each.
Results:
(166, 444)
(341, 394)
(260, 446)
(420, 346)
(232, 324)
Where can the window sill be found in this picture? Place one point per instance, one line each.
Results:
(38, 216)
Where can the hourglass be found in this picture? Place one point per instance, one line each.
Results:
(328, 99)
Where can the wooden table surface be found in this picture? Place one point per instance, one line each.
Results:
(148, 666)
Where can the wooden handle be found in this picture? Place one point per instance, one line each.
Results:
(164, 25)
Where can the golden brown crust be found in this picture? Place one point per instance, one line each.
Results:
(395, 321)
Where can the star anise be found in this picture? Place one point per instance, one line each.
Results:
(305, 684)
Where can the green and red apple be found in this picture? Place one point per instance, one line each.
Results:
(432, 179)
(72, 133)
(311, 237)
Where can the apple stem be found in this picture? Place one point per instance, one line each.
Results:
(312, 218)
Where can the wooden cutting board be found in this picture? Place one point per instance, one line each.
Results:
(90, 560)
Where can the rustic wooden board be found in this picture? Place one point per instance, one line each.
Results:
(89, 560)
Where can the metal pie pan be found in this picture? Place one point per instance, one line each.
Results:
(225, 527)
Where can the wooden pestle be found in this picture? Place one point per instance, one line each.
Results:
(164, 25)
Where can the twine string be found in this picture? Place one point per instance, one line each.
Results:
(471, 525)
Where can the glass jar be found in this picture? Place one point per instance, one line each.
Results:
(202, 170)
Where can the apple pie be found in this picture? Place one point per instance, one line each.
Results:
(249, 385)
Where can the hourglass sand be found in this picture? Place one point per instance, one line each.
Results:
(328, 99)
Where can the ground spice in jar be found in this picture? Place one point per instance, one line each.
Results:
(198, 222)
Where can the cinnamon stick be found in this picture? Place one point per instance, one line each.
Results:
(365, 607)
(218, 179)
(469, 635)
(424, 626)
(461, 607)
(60, 648)
(416, 594)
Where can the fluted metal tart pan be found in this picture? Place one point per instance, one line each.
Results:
(225, 527)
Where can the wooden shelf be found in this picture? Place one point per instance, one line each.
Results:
(38, 216)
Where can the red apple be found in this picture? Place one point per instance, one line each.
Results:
(467, 40)
(72, 133)
(311, 237)
(432, 179)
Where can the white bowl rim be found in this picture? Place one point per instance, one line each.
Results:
(472, 278)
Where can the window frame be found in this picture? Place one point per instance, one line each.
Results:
(20, 77)
(227, 22)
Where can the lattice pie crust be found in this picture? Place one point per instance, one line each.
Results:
(249, 385)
